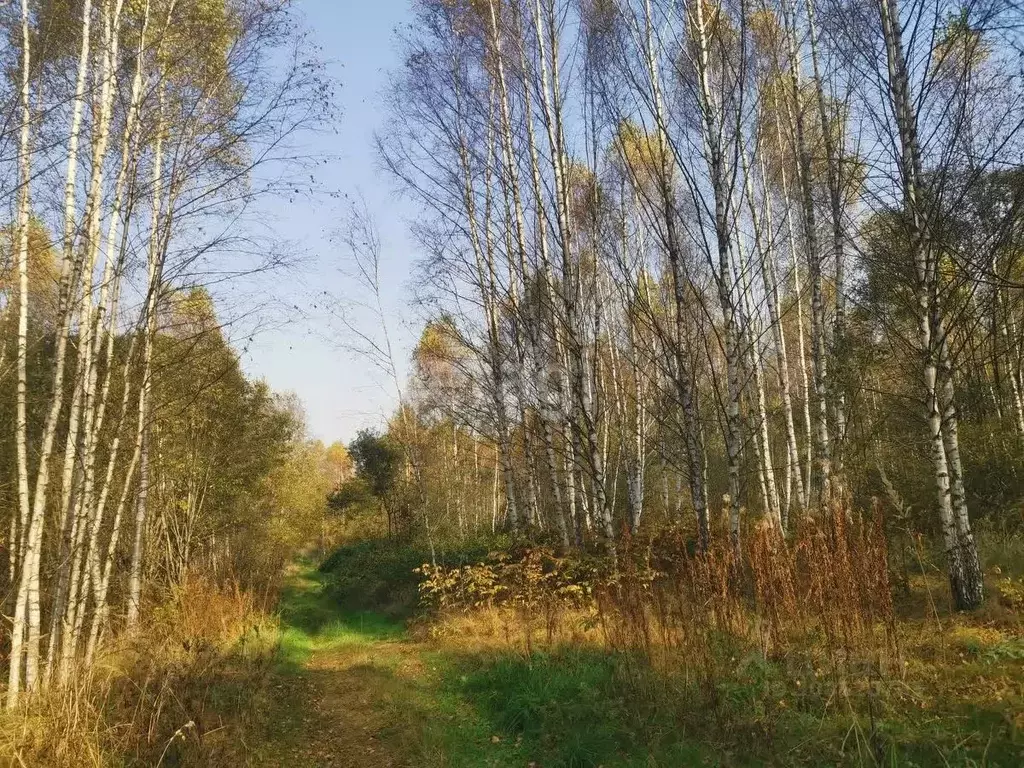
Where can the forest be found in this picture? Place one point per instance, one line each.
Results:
(709, 449)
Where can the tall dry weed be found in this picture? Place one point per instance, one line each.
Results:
(825, 585)
(184, 687)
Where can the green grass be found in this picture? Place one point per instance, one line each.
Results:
(573, 709)
(576, 708)
(465, 710)
(581, 709)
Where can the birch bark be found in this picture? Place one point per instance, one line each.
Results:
(148, 329)
(713, 138)
(21, 428)
(940, 414)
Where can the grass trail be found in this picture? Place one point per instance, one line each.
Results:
(351, 688)
(336, 684)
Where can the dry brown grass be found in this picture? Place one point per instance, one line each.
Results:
(828, 583)
(184, 684)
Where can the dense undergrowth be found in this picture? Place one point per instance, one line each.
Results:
(383, 574)
(562, 662)
(467, 659)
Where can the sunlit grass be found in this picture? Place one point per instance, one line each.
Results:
(312, 620)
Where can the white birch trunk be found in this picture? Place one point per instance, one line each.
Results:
(794, 473)
(685, 380)
(940, 414)
(583, 425)
(21, 428)
(712, 130)
(819, 347)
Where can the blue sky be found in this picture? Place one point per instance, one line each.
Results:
(310, 354)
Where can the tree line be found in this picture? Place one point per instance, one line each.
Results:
(753, 258)
(137, 137)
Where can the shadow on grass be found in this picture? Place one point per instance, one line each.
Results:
(584, 708)
(575, 708)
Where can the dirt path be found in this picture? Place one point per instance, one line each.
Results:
(339, 686)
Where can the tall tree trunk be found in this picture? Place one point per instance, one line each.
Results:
(819, 346)
(684, 375)
(21, 427)
(834, 151)
(583, 425)
(149, 329)
(961, 552)
(712, 130)
(794, 472)
(771, 492)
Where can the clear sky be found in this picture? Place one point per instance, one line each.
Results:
(310, 354)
